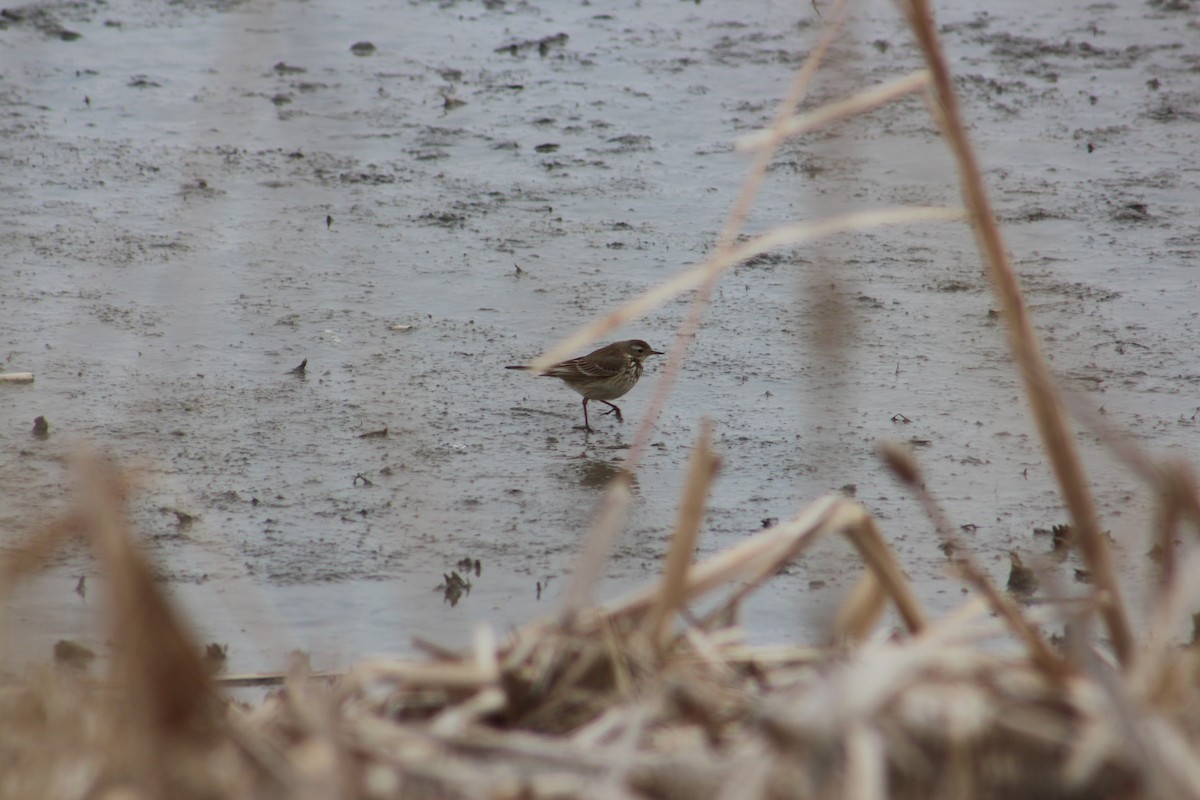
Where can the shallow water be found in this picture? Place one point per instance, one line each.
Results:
(200, 196)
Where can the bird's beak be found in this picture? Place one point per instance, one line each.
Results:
(657, 353)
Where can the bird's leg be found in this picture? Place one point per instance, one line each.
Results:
(613, 410)
(586, 426)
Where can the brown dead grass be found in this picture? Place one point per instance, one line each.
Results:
(614, 702)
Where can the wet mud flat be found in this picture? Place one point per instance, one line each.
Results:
(202, 196)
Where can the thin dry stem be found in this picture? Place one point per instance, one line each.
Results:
(860, 612)
(830, 113)
(906, 467)
(759, 557)
(866, 757)
(703, 469)
(155, 655)
(729, 232)
(1172, 481)
(879, 557)
(749, 560)
(1044, 397)
(457, 676)
(609, 519)
(1175, 601)
(167, 704)
(1168, 769)
(722, 260)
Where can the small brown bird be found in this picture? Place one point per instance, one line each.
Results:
(604, 374)
(1021, 579)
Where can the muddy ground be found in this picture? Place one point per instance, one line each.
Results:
(197, 196)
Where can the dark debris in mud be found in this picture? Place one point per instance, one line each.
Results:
(454, 587)
(44, 18)
(542, 45)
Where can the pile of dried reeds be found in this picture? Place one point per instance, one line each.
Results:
(640, 699)
(626, 700)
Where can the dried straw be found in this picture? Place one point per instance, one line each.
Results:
(637, 699)
(1044, 398)
(599, 708)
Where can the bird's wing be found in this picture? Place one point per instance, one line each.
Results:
(593, 367)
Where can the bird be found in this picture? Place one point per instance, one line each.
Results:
(1021, 579)
(604, 374)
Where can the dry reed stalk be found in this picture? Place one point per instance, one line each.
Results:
(733, 223)
(1173, 481)
(750, 772)
(1043, 396)
(769, 655)
(756, 559)
(623, 754)
(1169, 514)
(906, 468)
(488, 700)
(721, 261)
(731, 229)
(831, 113)
(1151, 674)
(862, 531)
(866, 759)
(261, 679)
(1159, 672)
(606, 527)
(603, 728)
(880, 674)
(693, 503)
(861, 611)
(1165, 763)
(892, 718)
(31, 554)
(319, 760)
(703, 279)
(166, 694)
(458, 676)
(707, 651)
(749, 560)
(559, 677)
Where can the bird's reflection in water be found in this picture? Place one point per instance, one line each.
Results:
(595, 473)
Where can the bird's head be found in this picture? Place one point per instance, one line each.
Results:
(640, 350)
